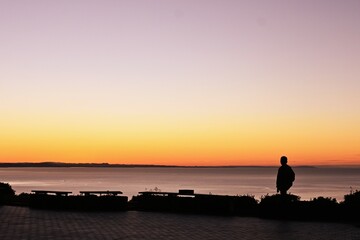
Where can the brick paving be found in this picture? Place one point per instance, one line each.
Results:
(21, 223)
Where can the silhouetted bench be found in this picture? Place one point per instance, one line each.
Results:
(182, 192)
(107, 193)
(85, 201)
(45, 192)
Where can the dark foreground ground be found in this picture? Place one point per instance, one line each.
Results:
(24, 223)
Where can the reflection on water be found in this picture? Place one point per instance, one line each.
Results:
(310, 182)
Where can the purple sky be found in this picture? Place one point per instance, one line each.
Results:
(258, 64)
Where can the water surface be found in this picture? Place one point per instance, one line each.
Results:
(257, 181)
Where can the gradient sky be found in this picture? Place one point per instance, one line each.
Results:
(180, 82)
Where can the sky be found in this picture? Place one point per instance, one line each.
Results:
(180, 82)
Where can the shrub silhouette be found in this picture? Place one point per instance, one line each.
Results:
(353, 198)
(325, 201)
(279, 206)
(6, 189)
(323, 208)
(351, 205)
(6, 193)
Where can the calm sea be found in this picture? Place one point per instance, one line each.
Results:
(257, 181)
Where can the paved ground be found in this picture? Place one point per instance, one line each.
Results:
(23, 223)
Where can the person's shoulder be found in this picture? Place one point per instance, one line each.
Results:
(287, 167)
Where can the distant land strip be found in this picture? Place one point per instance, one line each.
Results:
(108, 165)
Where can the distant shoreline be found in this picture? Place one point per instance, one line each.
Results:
(108, 165)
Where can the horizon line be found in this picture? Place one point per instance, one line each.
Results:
(66, 164)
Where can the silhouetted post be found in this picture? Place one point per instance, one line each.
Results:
(285, 177)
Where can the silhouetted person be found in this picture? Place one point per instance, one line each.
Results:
(285, 177)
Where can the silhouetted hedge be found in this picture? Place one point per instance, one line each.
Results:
(78, 203)
(204, 204)
(288, 207)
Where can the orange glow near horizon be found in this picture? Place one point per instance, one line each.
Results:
(194, 142)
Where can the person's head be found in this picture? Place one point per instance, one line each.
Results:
(283, 160)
